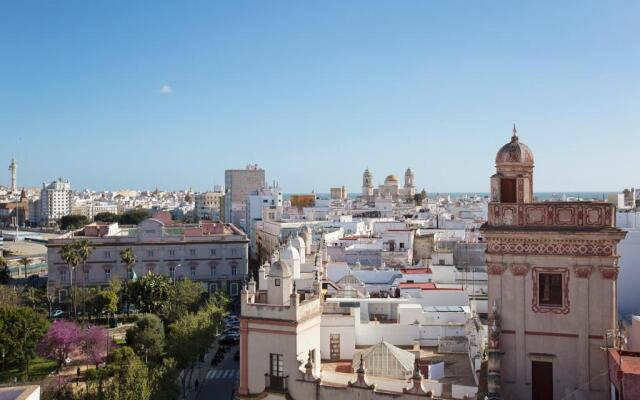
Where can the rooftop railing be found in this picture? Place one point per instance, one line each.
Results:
(552, 214)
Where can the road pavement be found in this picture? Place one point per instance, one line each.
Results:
(221, 380)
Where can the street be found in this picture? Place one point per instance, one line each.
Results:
(221, 379)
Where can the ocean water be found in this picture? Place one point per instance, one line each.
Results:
(540, 196)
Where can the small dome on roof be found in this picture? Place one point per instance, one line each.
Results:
(280, 269)
(408, 172)
(391, 179)
(514, 152)
(290, 253)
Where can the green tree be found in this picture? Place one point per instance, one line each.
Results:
(84, 250)
(192, 335)
(147, 337)
(128, 257)
(21, 329)
(25, 264)
(69, 255)
(133, 217)
(104, 301)
(73, 221)
(106, 217)
(150, 292)
(188, 293)
(164, 378)
(419, 197)
(130, 377)
(5, 274)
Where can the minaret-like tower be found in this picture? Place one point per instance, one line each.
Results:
(367, 184)
(409, 183)
(13, 167)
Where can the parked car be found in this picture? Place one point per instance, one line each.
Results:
(57, 314)
(229, 340)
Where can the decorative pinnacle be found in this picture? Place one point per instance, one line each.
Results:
(514, 138)
(360, 369)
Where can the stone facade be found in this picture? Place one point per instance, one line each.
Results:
(552, 282)
(215, 254)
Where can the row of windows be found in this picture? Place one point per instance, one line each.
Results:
(172, 252)
(172, 273)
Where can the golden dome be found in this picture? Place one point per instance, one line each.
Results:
(391, 179)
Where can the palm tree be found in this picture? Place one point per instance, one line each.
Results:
(84, 251)
(69, 254)
(128, 257)
(25, 263)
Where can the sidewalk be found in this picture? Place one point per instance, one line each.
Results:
(200, 373)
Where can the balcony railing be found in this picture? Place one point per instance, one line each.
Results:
(583, 214)
(276, 383)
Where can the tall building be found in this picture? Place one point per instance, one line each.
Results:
(55, 201)
(239, 184)
(13, 167)
(552, 287)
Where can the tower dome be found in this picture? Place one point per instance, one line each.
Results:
(291, 256)
(280, 269)
(514, 152)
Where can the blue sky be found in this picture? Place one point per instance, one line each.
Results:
(115, 94)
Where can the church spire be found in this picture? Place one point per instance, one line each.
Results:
(514, 138)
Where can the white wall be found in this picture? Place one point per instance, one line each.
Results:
(628, 293)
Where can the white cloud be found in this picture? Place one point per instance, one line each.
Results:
(165, 89)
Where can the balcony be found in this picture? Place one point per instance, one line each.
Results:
(274, 383)
(554, 215)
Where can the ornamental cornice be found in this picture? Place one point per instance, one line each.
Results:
(547, 246)
(496, 268)
(609, 272)
(519, 269)
(583, 272)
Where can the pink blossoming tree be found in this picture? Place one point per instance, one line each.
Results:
(94, 342)
(62, 338)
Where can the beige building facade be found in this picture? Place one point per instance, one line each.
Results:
(552, 269)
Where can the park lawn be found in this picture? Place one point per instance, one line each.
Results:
(39, 368)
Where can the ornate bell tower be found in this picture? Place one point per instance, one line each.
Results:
(552, 270)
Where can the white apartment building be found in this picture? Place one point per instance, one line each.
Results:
(212, 253)
(55, 201)
(268, 198)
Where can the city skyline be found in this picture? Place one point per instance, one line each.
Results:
(315, 90)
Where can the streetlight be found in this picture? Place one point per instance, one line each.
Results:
(175, 271)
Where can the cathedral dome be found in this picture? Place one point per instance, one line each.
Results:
(280, 269)
(514, 152)
(391, 179)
